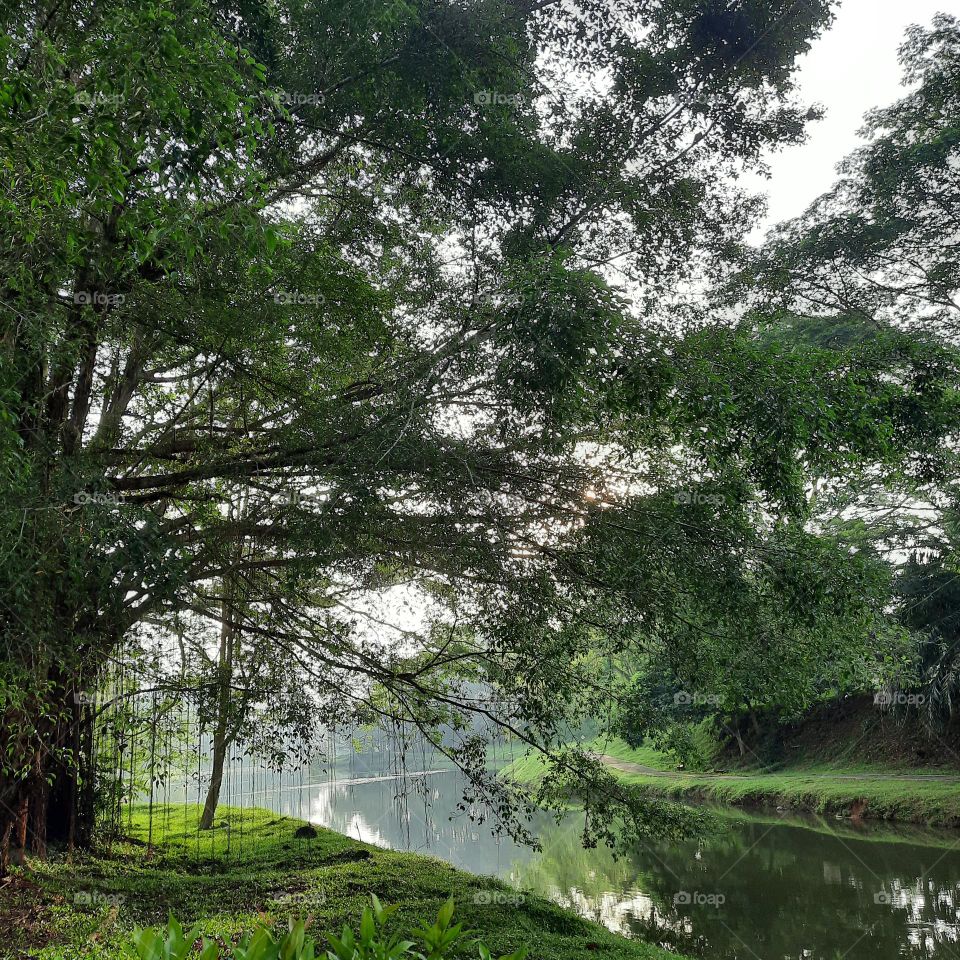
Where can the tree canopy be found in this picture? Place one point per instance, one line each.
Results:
(335, 306)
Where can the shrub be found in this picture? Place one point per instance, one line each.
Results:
(370, 942)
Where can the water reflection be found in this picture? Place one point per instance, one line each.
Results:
(762, 888)
(768, 890)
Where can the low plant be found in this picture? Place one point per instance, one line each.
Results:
(370, 942)
(171, 943)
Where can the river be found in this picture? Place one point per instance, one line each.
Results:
(758, 888)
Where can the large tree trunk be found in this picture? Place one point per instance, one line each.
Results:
(15, 829)
(23, 816)
(51, 800)
(70, 804)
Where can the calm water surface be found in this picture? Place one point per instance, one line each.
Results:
(762, 888)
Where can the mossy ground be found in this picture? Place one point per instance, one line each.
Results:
(87, 907)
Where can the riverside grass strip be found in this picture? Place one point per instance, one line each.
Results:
(88, 908)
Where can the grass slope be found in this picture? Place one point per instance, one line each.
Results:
(819, 788)
(58, 910)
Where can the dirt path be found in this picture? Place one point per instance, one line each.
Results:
(627, 766)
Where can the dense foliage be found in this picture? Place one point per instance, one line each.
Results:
(376, 351)
(873, 265)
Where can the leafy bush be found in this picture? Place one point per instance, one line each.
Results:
(370, 942)
(679, 741)
(170, 944)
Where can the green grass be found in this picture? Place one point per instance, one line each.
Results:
(848, 765)
(934, 804)
(646, 754)
(808, 788)
(59, 910)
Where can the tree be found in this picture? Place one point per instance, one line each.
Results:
(872, 266)
(245, 694)
(877, 252)
(245, 248)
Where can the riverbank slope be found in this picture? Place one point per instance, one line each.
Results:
(255, 867)
(908, 796)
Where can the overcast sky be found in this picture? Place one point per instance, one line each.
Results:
(850, 69)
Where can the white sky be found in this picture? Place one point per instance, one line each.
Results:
(852, 68)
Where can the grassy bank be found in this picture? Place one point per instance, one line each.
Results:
(866, 791)
(59, 910)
